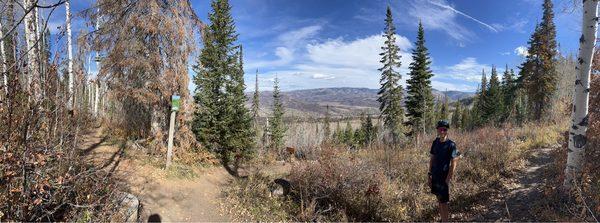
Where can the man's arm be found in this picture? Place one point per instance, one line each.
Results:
(451, 170)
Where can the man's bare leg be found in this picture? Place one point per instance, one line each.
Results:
(444, 211)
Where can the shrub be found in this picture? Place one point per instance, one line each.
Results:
(389, 183)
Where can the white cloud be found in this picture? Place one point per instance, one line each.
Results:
(505, 53)
(294, 37)
(322, 76)
(337, 62)
(284, 55)
(521, 51)
(287, 45)
(443, 86)
(360, 53)
(467, 70)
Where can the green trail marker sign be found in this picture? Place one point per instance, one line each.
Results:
(175, 102)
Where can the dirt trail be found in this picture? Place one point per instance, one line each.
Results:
(516, 203)
(171, 200)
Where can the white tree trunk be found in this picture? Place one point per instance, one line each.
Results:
(97, 96)
(3, 61)
(89, 95)
(70, 54)
(577, 134)
(33, 85)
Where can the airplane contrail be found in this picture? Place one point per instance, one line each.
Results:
(463, 14)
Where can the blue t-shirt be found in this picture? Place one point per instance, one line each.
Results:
(443, 153)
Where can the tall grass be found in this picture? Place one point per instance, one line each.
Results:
(390, 183)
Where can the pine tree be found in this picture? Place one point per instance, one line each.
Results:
(277, 127)
(538, 72)
(465, 122)
(338, 135)
(478, 110)
(508, 91)
(222, 123)
(240, 134)
(369, 130)
(348, 134)
(419, 101)
(365, 135)
(521, 107)
(390, 93)
(444, 109)
(456, 115)
(493, 99)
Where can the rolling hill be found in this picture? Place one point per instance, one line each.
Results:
(341, 101)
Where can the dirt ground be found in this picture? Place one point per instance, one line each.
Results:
(515, 202)
(162, 198)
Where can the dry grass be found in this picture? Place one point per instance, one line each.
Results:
(387, 184)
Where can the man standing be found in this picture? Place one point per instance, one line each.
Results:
(441, 167)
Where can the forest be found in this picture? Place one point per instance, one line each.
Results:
(144, 111)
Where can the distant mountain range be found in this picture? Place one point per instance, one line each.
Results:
(341, 101)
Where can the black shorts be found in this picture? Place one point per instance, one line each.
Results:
(439, 187)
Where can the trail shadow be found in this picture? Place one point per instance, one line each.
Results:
(115, 158)
(233, 171)
(94, 146)
(154, 218)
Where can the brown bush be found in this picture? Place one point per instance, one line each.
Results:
(385, 184)
(339, 186)
(42, 175)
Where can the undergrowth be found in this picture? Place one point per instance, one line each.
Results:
(389, 184)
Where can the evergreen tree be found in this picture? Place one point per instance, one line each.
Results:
(444, 111)
(338, 136)
(508, 91)
(277, 127)
(390, 93)
(465, 122)
(457, 115)
(240, 136)
(366, 133)
(419, 101)
(477, 112)
(521, 107)
(493, 99)
(370, 129)
(215, 64)
(359, 138)
(538, 72)
(348, 134)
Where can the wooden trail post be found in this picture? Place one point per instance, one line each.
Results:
(175, 102)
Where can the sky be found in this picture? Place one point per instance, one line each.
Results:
(336, 43)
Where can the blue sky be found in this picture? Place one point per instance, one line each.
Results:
(336, 43)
